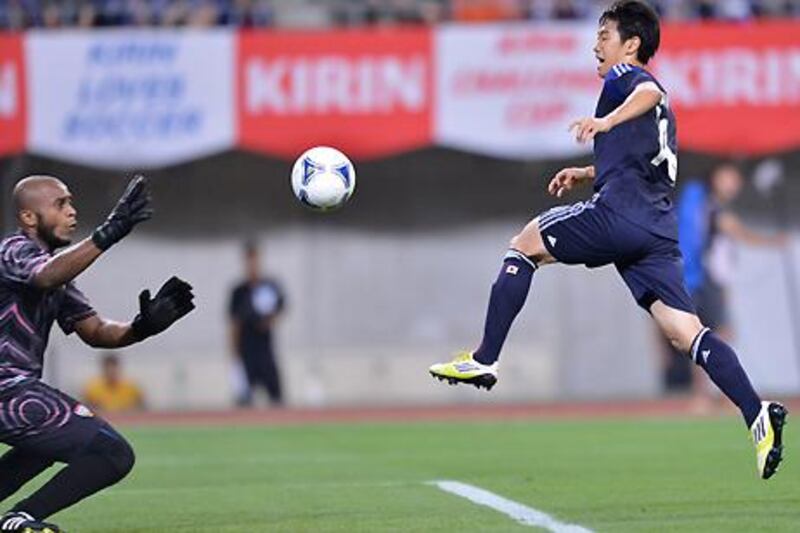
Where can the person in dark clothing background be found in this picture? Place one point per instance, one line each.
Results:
(709, 233)
(255, 305)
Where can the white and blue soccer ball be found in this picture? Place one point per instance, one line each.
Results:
(323, 178)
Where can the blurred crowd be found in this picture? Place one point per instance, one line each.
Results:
(21, 14)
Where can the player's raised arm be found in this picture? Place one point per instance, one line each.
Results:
(173, 301)
(644, 97)
(132, 208)
(568, 178)
(66, 265)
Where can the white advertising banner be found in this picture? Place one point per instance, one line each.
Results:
(512, 90)
(131, 98)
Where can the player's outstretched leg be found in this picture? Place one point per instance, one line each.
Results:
(717, 358)
(765, 419)
(507, 297)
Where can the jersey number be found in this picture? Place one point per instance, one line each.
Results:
(664, 152)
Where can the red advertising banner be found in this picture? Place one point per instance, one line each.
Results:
(367, 92)
(498, 89)
(12, 95)
(735, 88)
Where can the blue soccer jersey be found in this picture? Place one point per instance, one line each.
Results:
(27, 313)
(635, 162)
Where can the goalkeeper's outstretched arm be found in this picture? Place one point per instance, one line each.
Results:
(173, 301)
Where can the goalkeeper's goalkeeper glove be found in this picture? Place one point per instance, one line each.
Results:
(172, 302)
(133, 207)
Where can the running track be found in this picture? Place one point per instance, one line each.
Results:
(679, 407)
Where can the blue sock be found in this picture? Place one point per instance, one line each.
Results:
(507, 298)
(720, 362)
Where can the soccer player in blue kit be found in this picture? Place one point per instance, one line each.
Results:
(41, 424)
(629, 222)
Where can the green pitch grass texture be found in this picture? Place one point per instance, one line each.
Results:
(607, 475)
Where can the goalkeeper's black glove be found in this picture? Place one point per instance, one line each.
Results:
(133, 207)
(172, 302)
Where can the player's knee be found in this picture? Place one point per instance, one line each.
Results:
(529, 242)
(678, 326)
(679, 343)
(516, 243)
(124, 458)
(116, 450)
(682, 335)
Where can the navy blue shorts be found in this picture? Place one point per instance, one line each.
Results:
(589, 233)
(44, 420)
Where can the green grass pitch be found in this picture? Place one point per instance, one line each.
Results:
(607, 475)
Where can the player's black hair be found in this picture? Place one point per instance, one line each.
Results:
(636, 19)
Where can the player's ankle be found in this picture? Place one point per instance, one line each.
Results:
(483, 358)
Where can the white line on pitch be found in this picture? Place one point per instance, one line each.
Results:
(521, 513)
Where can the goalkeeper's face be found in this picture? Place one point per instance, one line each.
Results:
(56, 216)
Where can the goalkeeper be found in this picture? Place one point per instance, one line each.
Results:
(41, 424)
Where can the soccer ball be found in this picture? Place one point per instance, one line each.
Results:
(323, 178)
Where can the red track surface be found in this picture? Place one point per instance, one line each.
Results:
(658, 408)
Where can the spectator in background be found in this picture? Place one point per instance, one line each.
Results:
(708, 232)
(203, 14)
(21, 14)
(111, 392)
(238, 13)
(140, 13)
(406, 11)
(370, 12)
(432, 12)
(52, 16)
(703, 9)
(565, 10)
(485, 10)
(262, 13)
(87, 15)
(255, 305)
(735, 9)
(175, 13)
(731, 10)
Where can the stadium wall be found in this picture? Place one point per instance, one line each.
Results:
(382, 288)
(454, 131)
